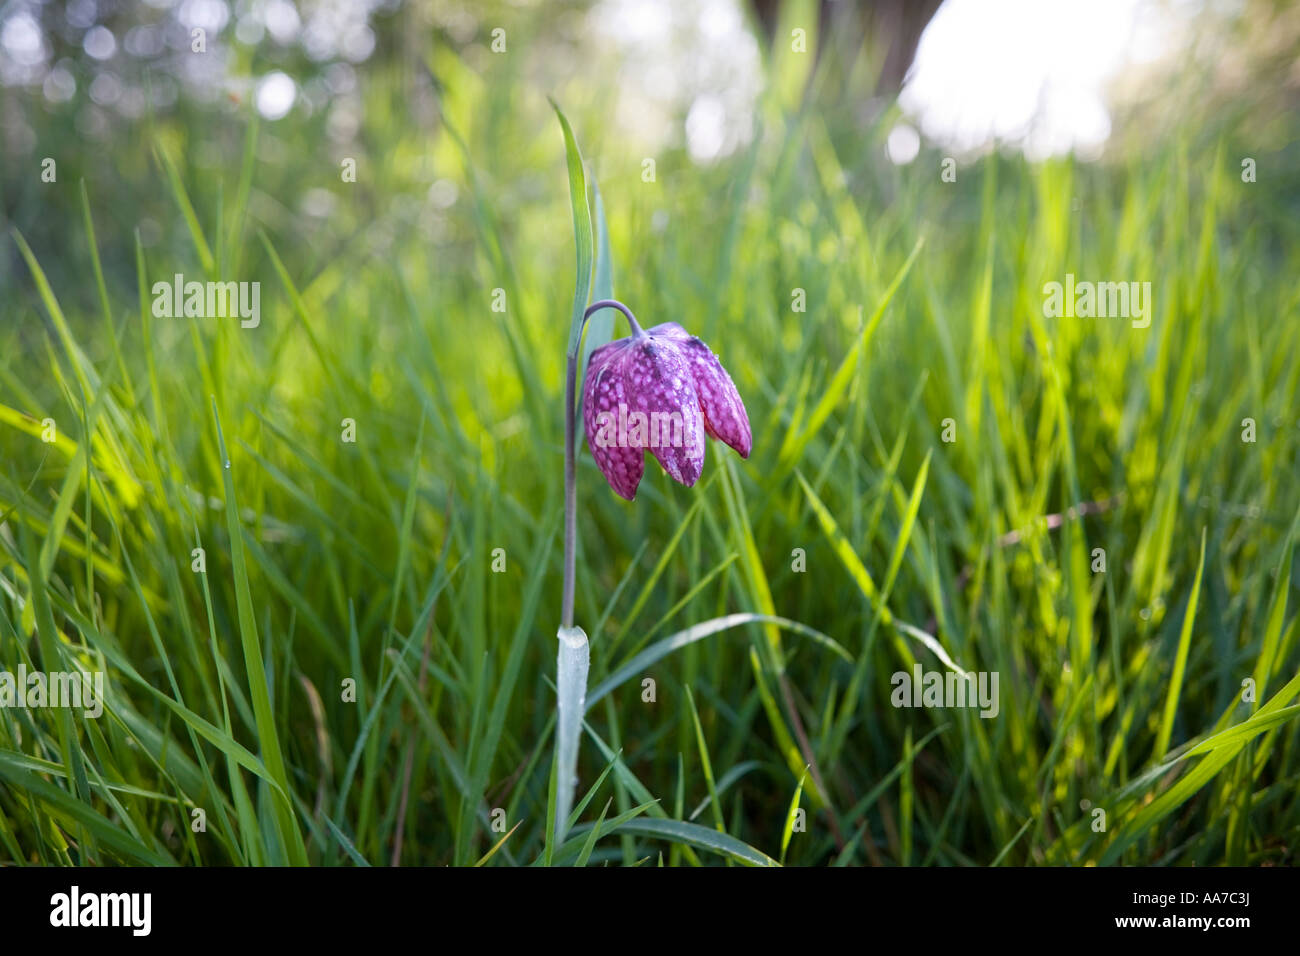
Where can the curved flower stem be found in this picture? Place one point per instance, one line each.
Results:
(573, 662)
(570, 451)
(614, 304)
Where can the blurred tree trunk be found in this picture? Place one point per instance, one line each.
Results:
(888, 30)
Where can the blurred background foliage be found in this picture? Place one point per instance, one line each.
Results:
(95, 84)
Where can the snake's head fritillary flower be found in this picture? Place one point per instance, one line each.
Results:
(660, 390)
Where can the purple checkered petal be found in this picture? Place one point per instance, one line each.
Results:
(659, 386)
(724, 413)
(603, 404)
(670, 330)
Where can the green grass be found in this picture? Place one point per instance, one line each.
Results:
(372, 562)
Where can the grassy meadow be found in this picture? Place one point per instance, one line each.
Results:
(327, 651)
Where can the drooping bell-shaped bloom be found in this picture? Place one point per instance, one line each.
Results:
(659, 390)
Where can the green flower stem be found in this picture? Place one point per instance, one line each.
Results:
(574, 657)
